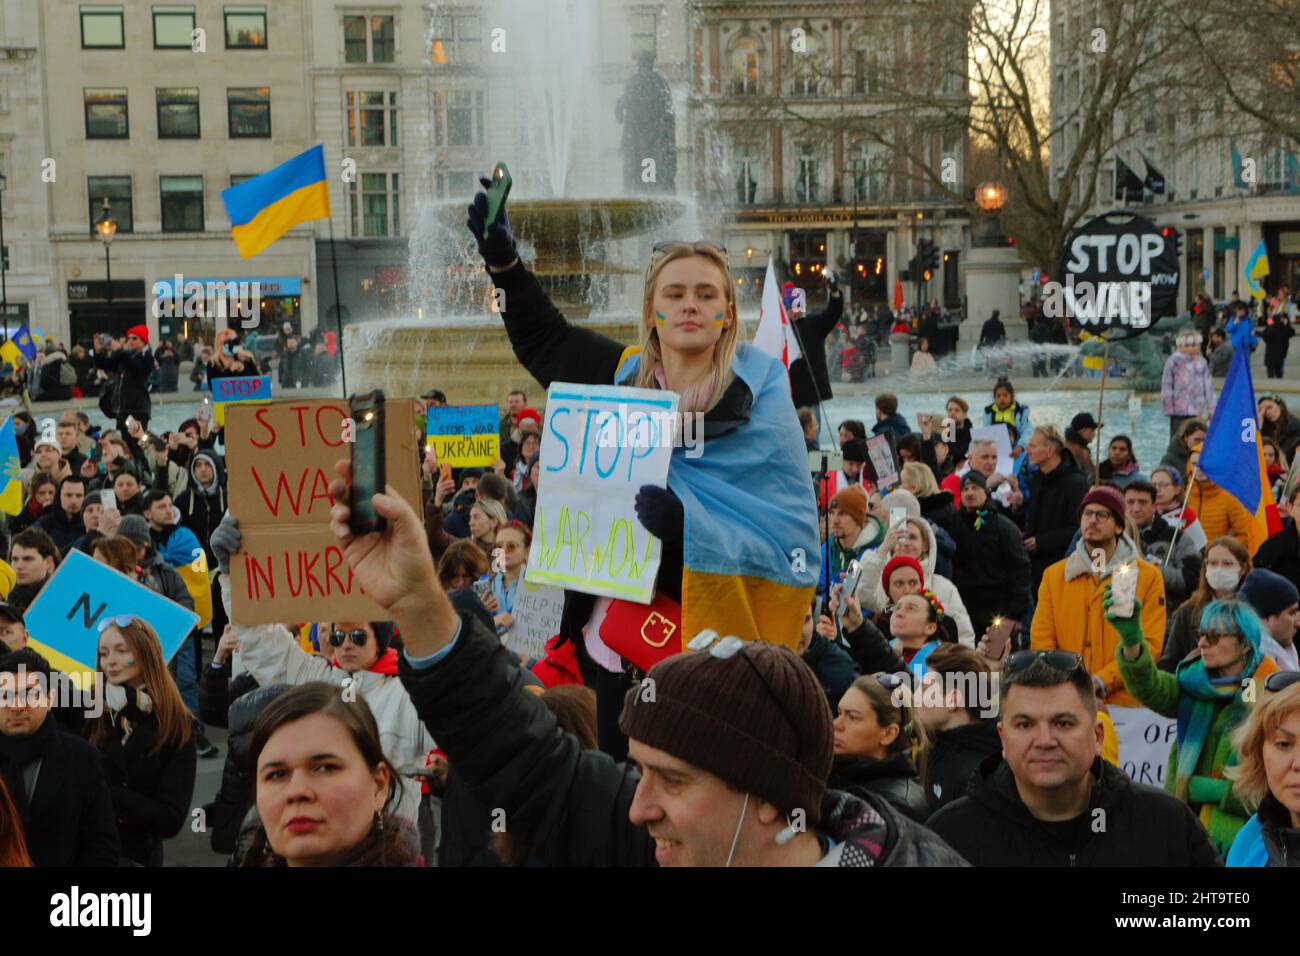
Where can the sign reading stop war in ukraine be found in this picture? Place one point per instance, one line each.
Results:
(249, 389)
(280, 459)
(600, 444)
(464, 436)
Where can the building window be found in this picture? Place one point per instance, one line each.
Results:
(237, 178)
(372, 119)
(249, 111)
(455, 184)
(806, 174)
(868, 75)
(173, 27)
(106, 114)
(101, 27)
(807, 66)
(182, 203)
(747, 174)
(643, 28)
(458, 118)
(178, 113)
(245, 27)
(456, 40)
(745, 54)
(368, 39)
(117, 190)
(375, 205)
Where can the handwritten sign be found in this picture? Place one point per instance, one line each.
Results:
(537, 614)
(244, 389)
(1144, 741)
(281, 461)
(882, 461)
(63, 621)
(464, 436)
(600, 444)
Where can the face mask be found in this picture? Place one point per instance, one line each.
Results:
(1222, 579)
(20, 428)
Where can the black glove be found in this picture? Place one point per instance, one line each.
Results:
(661, 513)
(498, 249)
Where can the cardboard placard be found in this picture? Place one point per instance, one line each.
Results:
(600, 444)
(464, 436)
(280, 460)
(63, 621)
(883, 461)
(537, 614)
(1144, 740)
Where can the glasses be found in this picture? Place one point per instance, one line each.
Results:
(1212, 637)
(673, 245)
(1102, 515)
(357, 636)
(1279, 681)
(121, 620)
(1061, 660)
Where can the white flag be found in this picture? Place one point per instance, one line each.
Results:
(775, 336)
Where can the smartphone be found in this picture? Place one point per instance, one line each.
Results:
(368, 477)
(896, 517)
(496, 195)
(483, 588)
(108, 498)
(999, 633)
(850, 588)
(444, 471)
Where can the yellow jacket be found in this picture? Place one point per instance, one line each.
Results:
(1221, 514)
(1069, 614)
(8, 578)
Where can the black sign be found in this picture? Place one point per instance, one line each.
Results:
(1118, 271)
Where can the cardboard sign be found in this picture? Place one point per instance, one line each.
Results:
(280, 459)
(883, 461)
(464, 436)
(537, 616)
(600, 444)
(245, 389)
(63, 621)
(1144, 741)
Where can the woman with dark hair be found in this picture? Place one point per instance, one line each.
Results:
(1120, 466)
(1007, 411)
(1225, 566)
(879, 743)
(13, 848)
(461, 565)
(119, 554)
(325, 791)
(850, 429)
(40, 493)
(1276, 422)
(145, 738)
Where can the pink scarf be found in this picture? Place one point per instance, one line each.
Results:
(694, 399)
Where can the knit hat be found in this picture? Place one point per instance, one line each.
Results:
(855, 449)
(135, 528)
(762, 725)
(48, 442)
(1109, 498)
(853, 502)
(529, 414)
(974, 477)
(1267, 592)
(92, 498)
(140, 331)
(901, 561)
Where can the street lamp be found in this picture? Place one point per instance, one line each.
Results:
(990, 197)
(106, 226)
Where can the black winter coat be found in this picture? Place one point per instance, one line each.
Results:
(69, 819)
(955, 757)
(52, 387)
(151, 791)
(202, 508)
(1277, 341)
(237, 792)
(55, 523)
(127, 390)
(1281, 553)
(1053, 514)
(991, 569)
(893, 778)
(808, 375)
(939, 510)
(568, 804)
(1126, 824)
(833, 666)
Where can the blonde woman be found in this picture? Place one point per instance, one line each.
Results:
(738, 525)
(1267, 776)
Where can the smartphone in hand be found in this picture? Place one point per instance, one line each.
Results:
(496, 195)
(368, 472)
(999, 633)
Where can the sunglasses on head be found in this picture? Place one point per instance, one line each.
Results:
(666, 246)
(1279, 681)
(1061, 660)
(356, 635)
(120, 620)
(893, 681)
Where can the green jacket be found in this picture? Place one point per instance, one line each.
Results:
(1209, 792)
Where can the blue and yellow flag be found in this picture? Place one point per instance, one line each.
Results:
(10, 355)
(1256, 269)
(264, 208)
(23, 340)
(11, 470)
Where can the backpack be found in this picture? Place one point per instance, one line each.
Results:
(67, 374)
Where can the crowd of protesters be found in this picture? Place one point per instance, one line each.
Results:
(934, 688)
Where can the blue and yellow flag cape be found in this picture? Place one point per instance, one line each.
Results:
(11, 470)
(752, 554)
(264, 208)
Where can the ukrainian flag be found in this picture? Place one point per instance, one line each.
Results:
(1256, 269)
(11, 470)
(10, 355)
(263, 209)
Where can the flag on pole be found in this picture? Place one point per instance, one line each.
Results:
(23, 340)
(264, 208)
(10, 355)
(775, 335)
(1232, 455)
(1256, 269)
(11, 470)
(898, 294)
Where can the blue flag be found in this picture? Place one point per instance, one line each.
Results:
(1228, 456)
(23, 339)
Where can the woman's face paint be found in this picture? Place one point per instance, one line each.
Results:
(659, 318)
(717, 321)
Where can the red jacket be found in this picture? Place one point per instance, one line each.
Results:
(559, 666)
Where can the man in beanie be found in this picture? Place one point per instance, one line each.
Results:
(730, 745)
(991, 565)
(855, 457)
(129, 365)
(1069, 615)
(1277, 602)
(851, 531)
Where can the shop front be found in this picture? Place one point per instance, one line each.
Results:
(92, 309)
(186, 306)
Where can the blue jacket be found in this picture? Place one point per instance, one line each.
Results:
(895, 425)
(177, 547)
(1248, 848)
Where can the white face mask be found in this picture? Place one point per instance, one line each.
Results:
(1222, 579)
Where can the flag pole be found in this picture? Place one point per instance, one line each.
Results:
(338, 309)
(1101, 401)
(1181, 517)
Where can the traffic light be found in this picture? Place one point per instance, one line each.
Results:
(928, 254)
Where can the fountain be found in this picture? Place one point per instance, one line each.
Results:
(577, 221)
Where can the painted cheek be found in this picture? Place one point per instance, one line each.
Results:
(717, 321)
(659, 318)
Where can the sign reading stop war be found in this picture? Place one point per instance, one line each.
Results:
(281, 459)
(600, 444)
(252, 389)
(464, 436)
